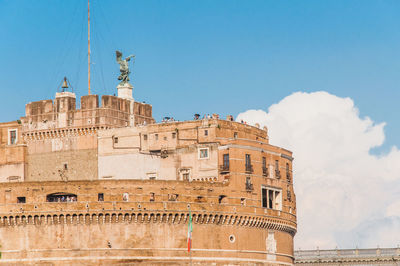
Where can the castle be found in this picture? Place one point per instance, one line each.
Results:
(106, 184)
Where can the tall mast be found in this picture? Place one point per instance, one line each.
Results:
(88, 10)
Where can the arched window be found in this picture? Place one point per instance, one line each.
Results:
(61, 197)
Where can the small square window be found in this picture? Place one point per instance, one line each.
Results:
(115, 140)
(203, 153)
(222, 199)
(185, 174)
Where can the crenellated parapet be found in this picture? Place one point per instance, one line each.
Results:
(111, 111)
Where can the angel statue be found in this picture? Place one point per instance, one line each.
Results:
(123, 67)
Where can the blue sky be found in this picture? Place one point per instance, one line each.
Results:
(206, 56)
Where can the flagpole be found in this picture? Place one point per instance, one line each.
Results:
(190, 229)
(190, 257)
(88, 47)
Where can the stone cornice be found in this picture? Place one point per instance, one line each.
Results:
(60, 133)
(153, 216)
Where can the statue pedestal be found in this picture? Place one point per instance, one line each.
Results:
(125, 91)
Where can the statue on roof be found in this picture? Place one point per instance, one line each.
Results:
(123, 67)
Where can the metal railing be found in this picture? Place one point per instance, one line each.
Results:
(265, 171)
(249, 168)
(343, 254)
(224, 168)
(277, 174)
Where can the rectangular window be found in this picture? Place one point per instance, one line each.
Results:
(287, 173)
(144, 137)
(203, 153)
(288, 193)
(12, 136)
(115, 140)
(277, 172)
(21, 199)
(152, 196)
(248, 160)
(156, 136)
(235, 135)
(249, 185)
(185, 176)
(173, 197)
(264, 166)
(249, 167)
(271, 198)
(264, 198)
(226, 161)
(173, 135)
(100, 197)
(206, 132)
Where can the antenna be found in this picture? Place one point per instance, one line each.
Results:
(88, 47)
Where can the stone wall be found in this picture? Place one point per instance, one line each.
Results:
(142, 228)
(154, 152)
(112, 112)
(62, 156)
(99, 190)
(12, 155)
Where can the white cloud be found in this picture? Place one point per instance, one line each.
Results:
(342, 190)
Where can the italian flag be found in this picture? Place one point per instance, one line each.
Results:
(190, 230)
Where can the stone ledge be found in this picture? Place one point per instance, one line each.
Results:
(121, 216)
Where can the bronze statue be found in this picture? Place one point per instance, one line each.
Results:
(123, 67)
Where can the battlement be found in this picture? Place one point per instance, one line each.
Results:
(111, 111)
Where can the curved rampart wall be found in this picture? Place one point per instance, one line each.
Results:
(139, 229)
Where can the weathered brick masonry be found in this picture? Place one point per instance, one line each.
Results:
(105, 184)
